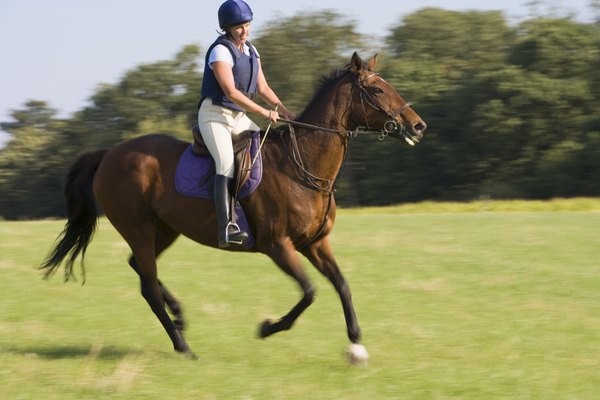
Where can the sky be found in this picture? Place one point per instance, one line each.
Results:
(59, 51)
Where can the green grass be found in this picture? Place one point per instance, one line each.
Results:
(462, 301)
(489, 205)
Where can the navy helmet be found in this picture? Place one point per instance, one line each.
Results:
(234, 12)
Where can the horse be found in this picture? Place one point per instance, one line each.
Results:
(292, 211)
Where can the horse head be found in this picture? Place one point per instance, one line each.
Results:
(378, 106)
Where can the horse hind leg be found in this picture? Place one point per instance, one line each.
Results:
(142, 243)
(175, 308)
(164, 238)
(287, 259)
(170, 300)
(153, 293)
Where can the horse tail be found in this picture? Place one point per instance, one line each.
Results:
(82, 216)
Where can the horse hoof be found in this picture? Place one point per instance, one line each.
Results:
(263, 329)
(187, 353)
(190, 355)
(357, 354)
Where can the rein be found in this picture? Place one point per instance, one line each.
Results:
(319, 184)
(389, 127)
(343, 133)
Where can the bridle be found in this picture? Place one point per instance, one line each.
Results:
(391, 125)
(366, 99)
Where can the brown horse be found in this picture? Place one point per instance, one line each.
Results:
(293, 209)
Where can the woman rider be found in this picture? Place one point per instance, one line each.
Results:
(232, 76)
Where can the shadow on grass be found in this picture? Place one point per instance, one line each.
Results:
(59, 352)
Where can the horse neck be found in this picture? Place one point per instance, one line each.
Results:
(332, 109)
(323, 151)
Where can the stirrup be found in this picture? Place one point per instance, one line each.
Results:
(238, 236)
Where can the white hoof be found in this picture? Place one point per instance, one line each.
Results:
(357, 354)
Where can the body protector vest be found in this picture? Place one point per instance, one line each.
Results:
(245, 75)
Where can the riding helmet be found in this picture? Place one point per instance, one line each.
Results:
(234, 12)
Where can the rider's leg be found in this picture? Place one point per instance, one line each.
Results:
(228, 233)
(216, 124)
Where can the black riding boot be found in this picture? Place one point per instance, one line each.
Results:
(228, 232)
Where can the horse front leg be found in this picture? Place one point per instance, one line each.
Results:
(321, 256)
(286, 258)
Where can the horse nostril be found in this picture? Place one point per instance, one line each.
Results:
(419, 127)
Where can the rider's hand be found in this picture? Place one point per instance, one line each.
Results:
(289, 115)
(272, 116)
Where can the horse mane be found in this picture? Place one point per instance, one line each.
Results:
(325, 84)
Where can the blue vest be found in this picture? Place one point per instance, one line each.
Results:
(245, 75)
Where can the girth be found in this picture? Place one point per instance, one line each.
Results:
(241, 150)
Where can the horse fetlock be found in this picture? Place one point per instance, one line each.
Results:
(354, 333)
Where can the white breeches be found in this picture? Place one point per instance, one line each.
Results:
(217, 125)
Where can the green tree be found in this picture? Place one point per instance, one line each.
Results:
(505, 111)
(153, 98)
(161, 94)
(29, 185)
(460, 41)
(436, 56)
(297, 52)
(557, 48)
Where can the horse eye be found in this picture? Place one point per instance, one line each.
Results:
(376, 90)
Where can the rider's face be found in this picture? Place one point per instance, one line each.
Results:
(239, 33)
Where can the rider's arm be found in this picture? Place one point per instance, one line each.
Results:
(224, 75)
(268, 95)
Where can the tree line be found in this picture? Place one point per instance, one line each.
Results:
(513, 110)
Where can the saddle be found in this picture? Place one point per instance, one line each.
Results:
(242, 157)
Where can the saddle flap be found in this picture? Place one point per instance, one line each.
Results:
(243, 165)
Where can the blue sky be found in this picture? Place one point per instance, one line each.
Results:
(60, 50)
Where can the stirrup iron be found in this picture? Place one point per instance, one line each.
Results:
(237, 238)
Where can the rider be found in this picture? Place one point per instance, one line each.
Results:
(232, 76)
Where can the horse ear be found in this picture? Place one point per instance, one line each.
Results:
(373, 62)
(356, 63)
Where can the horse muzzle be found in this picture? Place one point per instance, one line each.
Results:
(411, 134)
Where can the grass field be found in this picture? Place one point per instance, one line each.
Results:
(484, 300)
